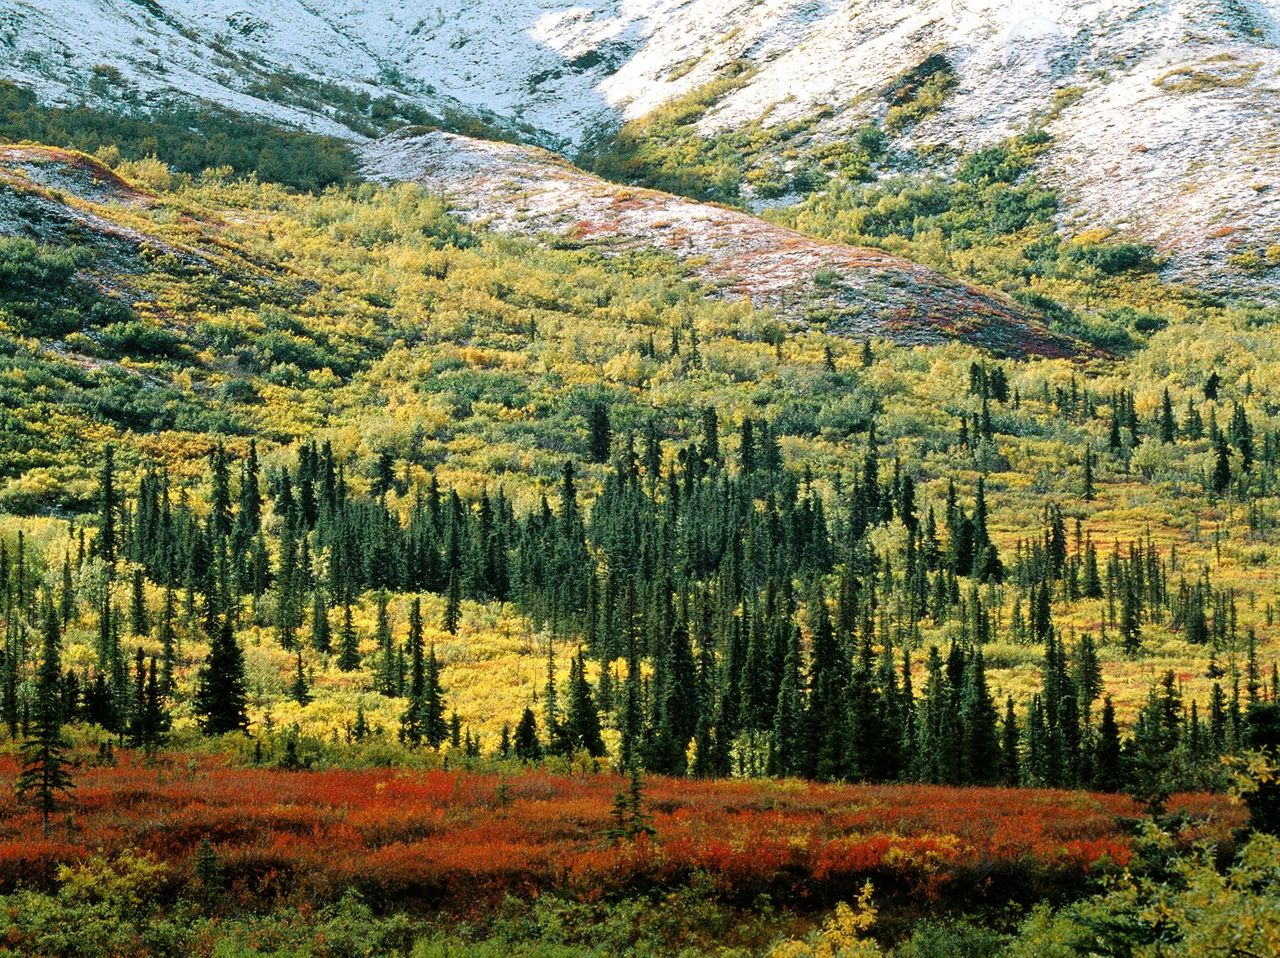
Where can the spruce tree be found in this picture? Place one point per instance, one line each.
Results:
(435, 729)
(1010, 761)
(137, 717)
(582, 721)
(556, 743)
(299, 688)
(348, 644)
(1262, 737)
(68, 596)
(1107, 770)
(600, 433)
(249, 516)
(138, 619)
(412, 722)
(453, 604)
(631, 721)
(1130, 617)
(1154, 766)
(526, 744)
(108, 505)
(385, 677)
(980, 744)
(786, 750)
(1220, 480)
(156, 718)
(938, 748)
(221, 700)
(1168, 427)
(168, 642)
(321, 634)
(46, 769)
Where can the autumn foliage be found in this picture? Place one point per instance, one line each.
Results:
(459, 840)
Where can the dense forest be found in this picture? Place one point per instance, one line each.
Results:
(691, 589)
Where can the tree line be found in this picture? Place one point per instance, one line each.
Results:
(738, 619)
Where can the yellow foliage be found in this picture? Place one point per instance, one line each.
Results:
(842, 935)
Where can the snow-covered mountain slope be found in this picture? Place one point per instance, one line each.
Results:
(1164, 111)
(855, 291)
(502, 59)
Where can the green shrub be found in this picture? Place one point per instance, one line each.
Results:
(189, 138)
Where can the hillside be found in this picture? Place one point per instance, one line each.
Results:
(1159, 111)
(849, 291)
(735, 478)
(169, 315)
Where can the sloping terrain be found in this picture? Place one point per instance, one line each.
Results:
(855, 291)
(59, 198)
(1163, 113)
(38, 187)
(56, 197)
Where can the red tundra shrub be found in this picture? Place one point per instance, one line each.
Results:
(448, 839)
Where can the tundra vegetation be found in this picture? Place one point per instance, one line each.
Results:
(373, 583)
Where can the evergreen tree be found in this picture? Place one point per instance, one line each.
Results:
(136, 716)
(453, 605)
(413, 722)
(786, 753)
(138, 620)
(582, 721)
(1107, 771)
(1154, 762)
(1168, 428)
(46, 769)
(1010, 761)
(600, 433)
(556, 743)
(68, 596)
(937, 758)
(221, 700)
(348, 644)
(980, 743)
(321, 634)
(433, 722)
(386, 677)
(1130, 618)
(156, 718)
(108, 506)
(630, 820)
(168, 642)
(150, 721)
(526, 744)
(249, 515)
(1091, 587)
(299, 688)
(1220, 481)
(632, 719)
(1262, 737)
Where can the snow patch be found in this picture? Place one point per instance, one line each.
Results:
(1173, 162)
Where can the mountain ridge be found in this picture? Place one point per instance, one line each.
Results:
(1159, 112)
